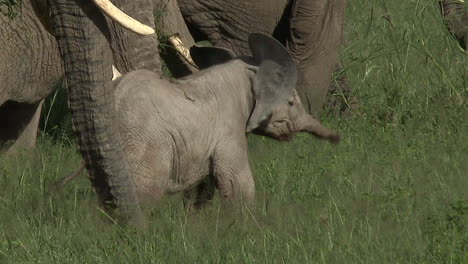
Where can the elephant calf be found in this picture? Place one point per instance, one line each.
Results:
(178, 135)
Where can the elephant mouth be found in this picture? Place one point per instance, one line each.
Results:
(286, 133)
(286, 136)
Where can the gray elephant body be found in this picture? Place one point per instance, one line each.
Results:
(29, 57)
(179, 135)
(175, 134)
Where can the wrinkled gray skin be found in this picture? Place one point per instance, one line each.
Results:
(312, 30)
(84, 40)
(30, 64)
(27, 75)
(190, 135)
(455, 13)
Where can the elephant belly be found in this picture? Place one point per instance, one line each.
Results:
(165, 135)
(182, 180)
(158, 166)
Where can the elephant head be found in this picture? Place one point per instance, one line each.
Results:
(83, 38)
(288, 119)
(277, 110)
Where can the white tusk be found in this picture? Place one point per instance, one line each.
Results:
(123, 19)
(115, 73)
(181, 49)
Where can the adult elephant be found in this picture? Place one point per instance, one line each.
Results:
(311, 29)
(31, 67)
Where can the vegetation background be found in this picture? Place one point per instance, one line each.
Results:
(393, 191)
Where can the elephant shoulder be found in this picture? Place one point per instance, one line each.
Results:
(138, 77)
(133, 85)
(137, 80)
(143, 87)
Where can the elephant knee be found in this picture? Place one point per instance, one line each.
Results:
(226, 189)
(246, 190)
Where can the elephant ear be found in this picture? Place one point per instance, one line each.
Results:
(275, 79)
(205, 57)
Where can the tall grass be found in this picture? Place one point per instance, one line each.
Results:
(393, 191)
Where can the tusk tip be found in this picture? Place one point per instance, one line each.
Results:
(120, 17)
(147, 31)
(144, 30)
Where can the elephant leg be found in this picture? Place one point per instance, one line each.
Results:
(19, 122)
(316, 30)
(238, 189)
(200, 195)
(341, 100)
(232, 174)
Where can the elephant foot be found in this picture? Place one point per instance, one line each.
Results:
(340, 100)
(19, 123)
(342, 104)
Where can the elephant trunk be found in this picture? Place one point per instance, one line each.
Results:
(81, 33)
(311, 125)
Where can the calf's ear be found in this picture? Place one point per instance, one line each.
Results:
(275, 79)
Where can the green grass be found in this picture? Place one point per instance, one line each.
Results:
(393, 191)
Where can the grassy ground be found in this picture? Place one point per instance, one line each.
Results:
(391, 192)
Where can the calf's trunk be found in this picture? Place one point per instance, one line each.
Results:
(314, 127)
